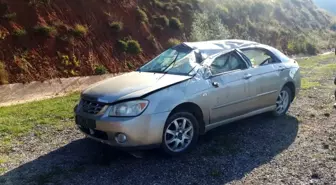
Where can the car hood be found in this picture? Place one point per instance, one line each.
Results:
(130, 85)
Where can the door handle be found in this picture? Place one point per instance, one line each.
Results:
(215, 84)
(247, 76)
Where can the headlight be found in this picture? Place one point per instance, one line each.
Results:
(131, 108)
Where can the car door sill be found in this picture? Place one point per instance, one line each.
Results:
(253, 113)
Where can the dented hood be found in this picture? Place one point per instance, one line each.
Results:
(130, 85)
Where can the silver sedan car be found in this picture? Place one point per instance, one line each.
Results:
(186, 91)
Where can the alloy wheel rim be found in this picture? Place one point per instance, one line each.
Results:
(282, 102)
(179, 134)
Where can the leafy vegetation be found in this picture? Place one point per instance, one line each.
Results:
(9, 16)
(142, 15)
(116, 26)
(133, 47)
(19, 32)
(100, 70)
(130, 46)
(173, 42)
(161, 20)
(175, 23)
(80, 30)
(121, 45)
(208, 26)
(45, 30)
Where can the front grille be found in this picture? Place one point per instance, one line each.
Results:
(92, 107)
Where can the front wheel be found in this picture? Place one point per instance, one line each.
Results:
(180, 133)
(283, 102)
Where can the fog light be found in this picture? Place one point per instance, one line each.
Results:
(121, 138)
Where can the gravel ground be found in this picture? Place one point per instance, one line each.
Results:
(297, 149)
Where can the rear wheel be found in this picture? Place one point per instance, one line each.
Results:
(180, 133)
(283, 102)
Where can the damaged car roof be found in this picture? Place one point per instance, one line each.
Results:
(215, 46)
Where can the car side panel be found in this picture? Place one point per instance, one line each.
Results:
(264, 85)
(192, 91)
(230, 98)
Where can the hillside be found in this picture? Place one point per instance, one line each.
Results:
(43, 39)
(329, 5)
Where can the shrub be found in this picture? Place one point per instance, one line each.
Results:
(173, 42)
(208, 26)
(159, 4)
(19, 32)
(100, 70)
(161, 20)
(311, 48)
(116, 26)
(3, 74)
(177, 9)
(122, 45)
(142, 15)
(9, 16)
(133, 47)
(45, 30)
(175, 23)
(80, 30)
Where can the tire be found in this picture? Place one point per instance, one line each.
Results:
(172, 135)
(282, 105)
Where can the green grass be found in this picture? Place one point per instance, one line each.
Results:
(316, 69)
(314, 61)
(307, 84)
(20, 120)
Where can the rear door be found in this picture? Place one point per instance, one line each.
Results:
(230, 93)
(265, 81)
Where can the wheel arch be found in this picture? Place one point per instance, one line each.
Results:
(193, 109)
(291, 86)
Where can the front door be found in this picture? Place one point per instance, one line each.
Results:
(230, 87)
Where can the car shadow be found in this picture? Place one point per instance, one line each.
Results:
(224, 154)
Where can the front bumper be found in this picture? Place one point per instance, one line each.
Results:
(141, 131)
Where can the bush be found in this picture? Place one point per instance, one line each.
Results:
(3, 74)
(80, 30)
(133, 47)
(311, 49)
(19, 32)
(100, 70)
(122, 45)
(117, 26)
(142, 15)
(45, 30)
(161, 20)
(173, 42)
(208, 26)
(9, 16)
(159, 4)
(175, 23)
